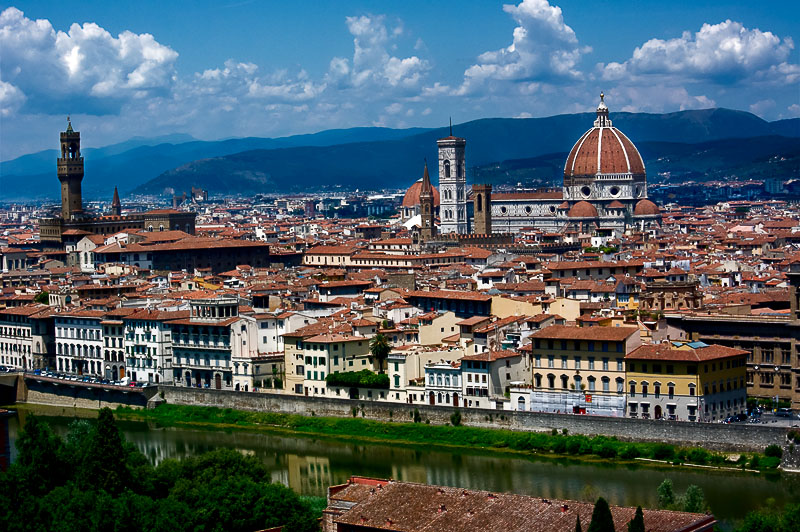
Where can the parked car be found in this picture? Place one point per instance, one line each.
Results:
(783, 412)
(741, 417)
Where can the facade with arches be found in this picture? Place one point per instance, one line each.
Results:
(79, 343)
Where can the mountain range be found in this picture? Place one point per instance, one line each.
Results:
(376, 158)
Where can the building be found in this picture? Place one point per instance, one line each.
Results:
(453, 184)
(578, 369)
(80, 342)
(149, 343)
(688, 381)
(26, 337)
(73, 223)
(427, 229)
(369, 504)
(605, 189)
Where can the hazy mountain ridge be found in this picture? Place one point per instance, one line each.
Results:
(353, 158)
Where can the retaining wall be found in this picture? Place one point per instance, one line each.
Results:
(718, 436)
(75, 396)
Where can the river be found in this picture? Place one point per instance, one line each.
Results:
(309, 465)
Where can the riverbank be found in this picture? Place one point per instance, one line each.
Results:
(408, 432)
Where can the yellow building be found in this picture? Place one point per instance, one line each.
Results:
(686, 381)
(580, 369)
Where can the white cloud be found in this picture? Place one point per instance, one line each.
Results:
(543, 48)
(793, 111)
(372, 64)
(762, 106)
(86, 65)
(11, 98)
(723, 53)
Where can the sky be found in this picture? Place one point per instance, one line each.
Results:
(237, 68)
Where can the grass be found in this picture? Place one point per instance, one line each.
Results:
(408, 432)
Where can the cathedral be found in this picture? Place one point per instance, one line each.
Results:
(605, 189)
(73, 223)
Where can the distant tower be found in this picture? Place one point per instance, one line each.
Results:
(70, 172)
(427, 230)
(482, 200)
(116, 206)
(452, 184)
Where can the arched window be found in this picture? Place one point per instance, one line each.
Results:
(447, 168)
(521, 404)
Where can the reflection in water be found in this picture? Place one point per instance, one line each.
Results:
(310, 465)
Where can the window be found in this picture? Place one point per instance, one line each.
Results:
(605, 364)
(577, 362)
(644, 389)
(605, 347)
(671, 390)
(591, 384)
(632, 389)
(657, 390)
(591, 360)
(550, 361)
(619, 364)
(538, 380)
(538, 361)
(606, 384)
(563, 362)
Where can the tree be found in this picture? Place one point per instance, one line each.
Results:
(578, 523)
(380, 348)
(42, 297)
(106, 460)
(41, 459)
(694, 500)
(666, 495)
(637, 523)
(602, 520)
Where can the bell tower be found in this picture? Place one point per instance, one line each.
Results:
(427, 230)
(70, 172)
(452, 184)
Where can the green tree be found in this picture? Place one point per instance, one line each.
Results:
(380, 348)
(694, 500)
(666, 494)
(41, 461)
(106, 462)
(42, 297)
(578, 523)
(602, 520)
(637, 523)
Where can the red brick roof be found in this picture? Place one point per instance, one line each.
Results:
(667, 351)
(566, 332)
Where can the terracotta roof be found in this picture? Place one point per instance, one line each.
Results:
(374, 504)
(646, 207)
(566, 332)
(582, 209)
(667, 351)
(603, 150)
(411, 199)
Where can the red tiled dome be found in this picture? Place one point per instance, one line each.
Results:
(411, 199)
(646, 207)
(582, 209)
(603, 149)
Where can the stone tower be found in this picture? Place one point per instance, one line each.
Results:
(452, 184)
(116, 206)
(482, 201)
(70, 172)
(427, 229)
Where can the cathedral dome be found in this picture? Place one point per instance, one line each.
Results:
(646, 208)
(582, 209)
(411, 199)
(603, 149)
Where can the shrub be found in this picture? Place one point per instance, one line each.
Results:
(663, 451)
(558, 445)
(755, 462)
(666, 494)
(773, 451)
(693, 500)
(417, 418)
(358, 379)
(455, 418)
(698, 456)
(629, 452)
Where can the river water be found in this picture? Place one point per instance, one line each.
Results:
(309, 465)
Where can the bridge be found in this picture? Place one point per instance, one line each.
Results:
(27, 387)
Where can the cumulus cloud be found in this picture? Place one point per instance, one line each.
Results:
(723, 53)
(543, 48)
(86, 64)
(372, 64)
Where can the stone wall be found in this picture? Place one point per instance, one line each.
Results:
(737, 437)
(76, 396)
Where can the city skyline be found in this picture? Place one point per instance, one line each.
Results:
(258, 69)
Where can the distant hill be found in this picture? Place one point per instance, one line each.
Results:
(754, 158)
(352, 158)
(397, 163)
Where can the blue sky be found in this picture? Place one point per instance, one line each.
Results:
(241, 68)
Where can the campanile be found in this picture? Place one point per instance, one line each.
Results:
(70, 172)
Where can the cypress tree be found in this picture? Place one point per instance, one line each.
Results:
(602, 521)
(637, 523)
(578, 523)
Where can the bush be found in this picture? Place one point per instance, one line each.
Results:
(629, 452)
(698, 456)
(358, 379)
(773, 451)
(417, 418)
(455, 418)
(663, 451)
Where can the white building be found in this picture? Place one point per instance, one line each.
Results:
(452, 185)
(79, 342)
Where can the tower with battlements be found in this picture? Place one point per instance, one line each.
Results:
(70, 173)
